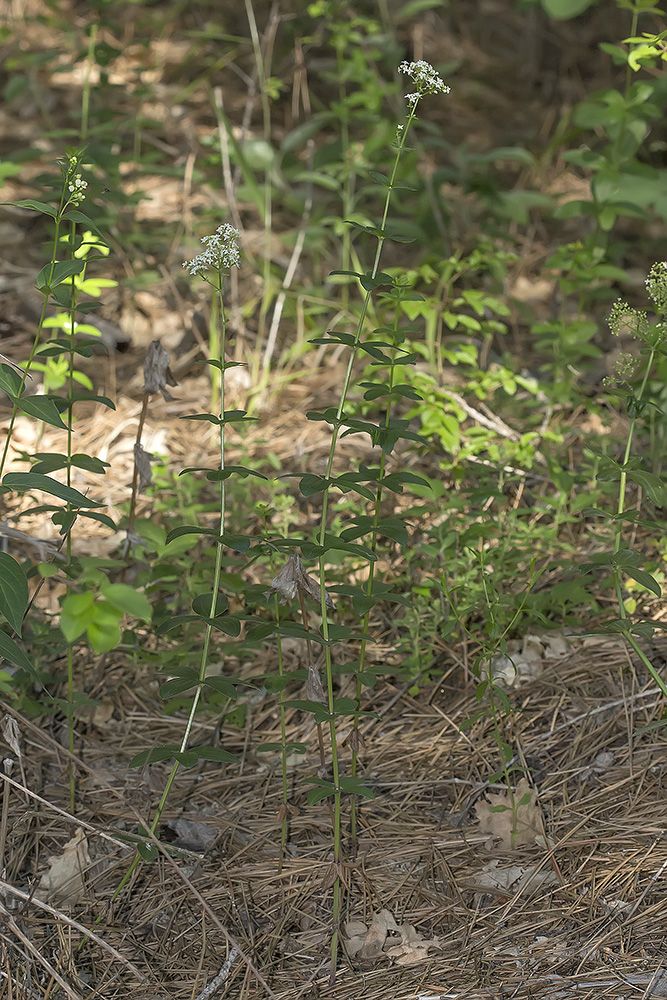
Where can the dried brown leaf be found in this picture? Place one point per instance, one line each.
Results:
(157, 374)
(292, 579)
(504, 835)
(143, 459)
(64, 881)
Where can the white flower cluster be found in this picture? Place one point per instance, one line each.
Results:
(656, 285)
(222, 251)
(426, 78)
(77, 188)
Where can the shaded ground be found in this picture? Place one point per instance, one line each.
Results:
(572, 904)
(575, 909)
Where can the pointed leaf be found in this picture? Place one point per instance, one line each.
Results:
(38, 206)
(14, 594)
(74, 215)
(222, 685)
(188, 529)
(13, 653)
(40, 407)
(644, 579)
(176, 686)
(310, 485)
(62, 270)
(10, 380)
(215, 754)
(24, 481)
(128, 600)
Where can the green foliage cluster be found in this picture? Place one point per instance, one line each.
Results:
(474, 489)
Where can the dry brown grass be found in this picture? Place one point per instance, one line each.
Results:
(592, 926)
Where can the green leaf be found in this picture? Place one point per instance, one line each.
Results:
(146, 850)
(222, 685)
(155, 755)
(651, 484)
(563, 10)
(228, 624)
(14, 595)
(238, 543)
(316, 795)
(62, 270)
(348, 339)
(128, 600)
(40, 407)
(644, 579)
(202, 605)
(13, 653)
(10, 380)
(91, 397)
(37, 206)
(315, 708)
(74, 215)
(177, 685)
(24, 481)
(310, 485)
(290, 747)
(352, 786)
(103, 636)
(215, 754)
(188, 529)
(217, 475)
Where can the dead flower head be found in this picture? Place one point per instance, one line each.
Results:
(314, 687)
(143, 459)
(293, 579)
(157, 374)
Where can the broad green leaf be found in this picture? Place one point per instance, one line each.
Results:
(201, 605)
(10, 380)
(289, 747)
(651, 483)
(76, 216)
(563, 10)
(352, 786)
(644, 579)
(147, 851)
(37, 206)
(24, 481)
(40, 407)
(223, 686)
(310, 485)
(104, 636)
(128, 600)
(155, 755)
(13, 653)
(217, 475)
(14, 595)
(188, 529)
(177, 685)
(62, 270)
(214, 753)
(316, 795)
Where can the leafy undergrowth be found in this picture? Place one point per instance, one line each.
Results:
(332, 585)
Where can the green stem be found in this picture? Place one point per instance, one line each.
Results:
(622, 487)
(381, 237)
(217, 572)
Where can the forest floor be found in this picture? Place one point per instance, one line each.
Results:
(443, 898)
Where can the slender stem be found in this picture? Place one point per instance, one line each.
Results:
(622, 487)
(381, 237)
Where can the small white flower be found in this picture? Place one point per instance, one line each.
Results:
(221, 253)
(427, 79)
(76, 187)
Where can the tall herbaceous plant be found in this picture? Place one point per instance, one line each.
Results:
(384, 348)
